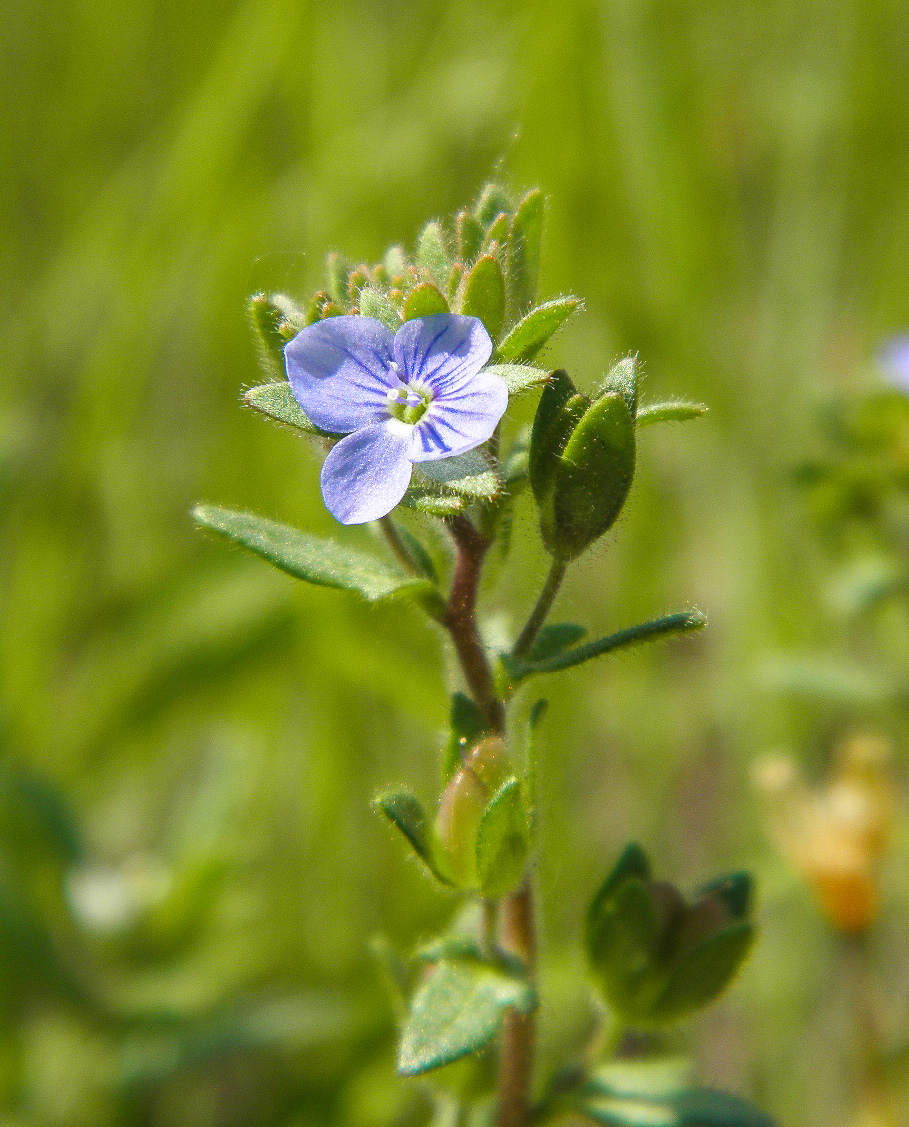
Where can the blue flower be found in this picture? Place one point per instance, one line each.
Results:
(894, 360)
(417, 396)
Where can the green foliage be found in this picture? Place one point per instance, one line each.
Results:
(675, 412)
(502, 841)
(660, 629)
(519, 377)
(469, 475)
(274, 319)
(622, 379)
(525, 238)
(403, 810)
(532, 332)
(658, 1093)
(466, 726)
(493, 202)
(424, 300)
(554, 640)
(375, 303)
(484, 294)
(276, 400)
(457, 1011)
(470, 236)
(432, 252)
(185, 699)
(552, 425)
(591, 478)
(657, 958)
(306, 557)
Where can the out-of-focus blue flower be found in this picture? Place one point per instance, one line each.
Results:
(417, 396)
(894, 361)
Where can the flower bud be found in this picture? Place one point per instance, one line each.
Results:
(657, 958)
(836, 834)
(582, 456)
(463, 804)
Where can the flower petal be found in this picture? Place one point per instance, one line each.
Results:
(442, 350)
(894, 360)
(458, 420)
(367, 473)
(339, 371)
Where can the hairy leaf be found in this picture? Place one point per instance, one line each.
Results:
(530, 333)
(307, 557)
(457, 1011)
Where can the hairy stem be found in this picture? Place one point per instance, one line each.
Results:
(516, 923)
(542, 608)
(516, 1047)
(461, 623)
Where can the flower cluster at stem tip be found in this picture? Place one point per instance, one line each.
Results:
(416, 396)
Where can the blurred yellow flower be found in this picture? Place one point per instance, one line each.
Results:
(835, 834)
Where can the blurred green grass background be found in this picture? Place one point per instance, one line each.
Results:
(190, 740)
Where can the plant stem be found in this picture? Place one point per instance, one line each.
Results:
(872, 1084)
(461, 623)
(516, 922)
(516, 1046)
(397, 545)
(542, 608)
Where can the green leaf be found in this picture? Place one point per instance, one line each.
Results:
(314, 309)
(274, 319)
(649, 1077)
(337, 270)
(376, 303)
(419, 555)
(530, 333)
(424, 300)
(395, 261)
(502, 841)
(470, 237)
(457, 1011)
(497, 233)
(454, 280)
(525, 239)
(552, 425)
(669, 626)
(492, 202)
(470, 474)
(307, 557)
(623, 380)
(657, 1093)
(736, 891)
(592, 478)
(434, 504)
(359, 278)
(518, 377)
(555, 639)
(467, 727)
(534, 720)
(704, 973)
(627, 1111)
(276, 400)
(404, 810)
(676, 412)
(38, 815)
(432, 251)
(484, 294)
(632, 863)
(622, 946)
(706, 1107)
(516, 466)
